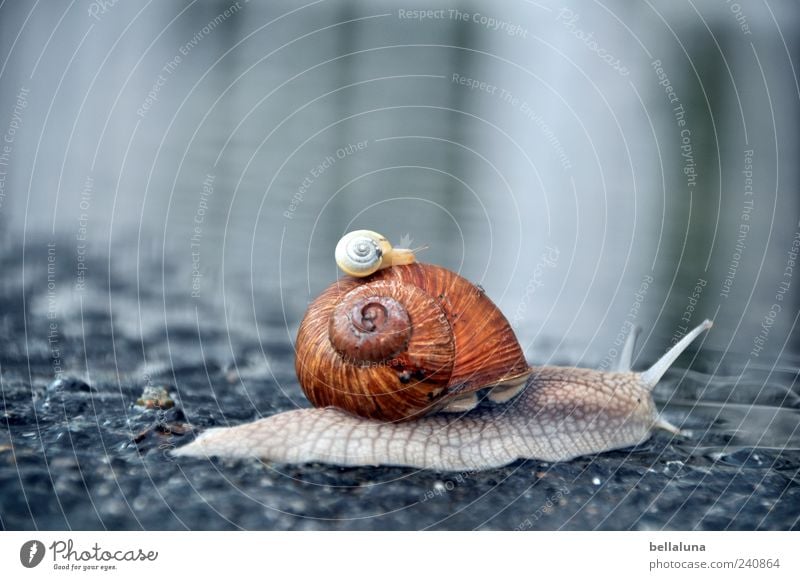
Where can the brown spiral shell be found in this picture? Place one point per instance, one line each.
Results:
(402, 342)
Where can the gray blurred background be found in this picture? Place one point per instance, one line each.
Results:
(174, 177)
(536, 147)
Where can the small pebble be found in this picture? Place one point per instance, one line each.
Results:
(69, 385)
(155, 397)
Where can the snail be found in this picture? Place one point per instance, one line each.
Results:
(394, 356)
(363, 252)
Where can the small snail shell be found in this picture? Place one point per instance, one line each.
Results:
(363, 252)
(405, 342)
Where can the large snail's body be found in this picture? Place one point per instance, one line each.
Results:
(405, 342)
(562, 414)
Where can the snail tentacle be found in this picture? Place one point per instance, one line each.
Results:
(625, 362)
(651, 376)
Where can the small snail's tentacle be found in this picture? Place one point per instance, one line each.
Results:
(625, 362)
(398, 257)
(651, 376)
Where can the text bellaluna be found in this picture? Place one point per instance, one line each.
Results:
(679, 547)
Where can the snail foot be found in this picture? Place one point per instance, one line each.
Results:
(461, 404)
(508, 391)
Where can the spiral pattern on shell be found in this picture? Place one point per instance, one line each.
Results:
(403, 342)
(370, 328)
(360, 252)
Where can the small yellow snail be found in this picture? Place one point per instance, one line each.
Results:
(384, 352)
(363, 252)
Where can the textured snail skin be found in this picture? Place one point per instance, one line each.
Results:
(563, 413)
